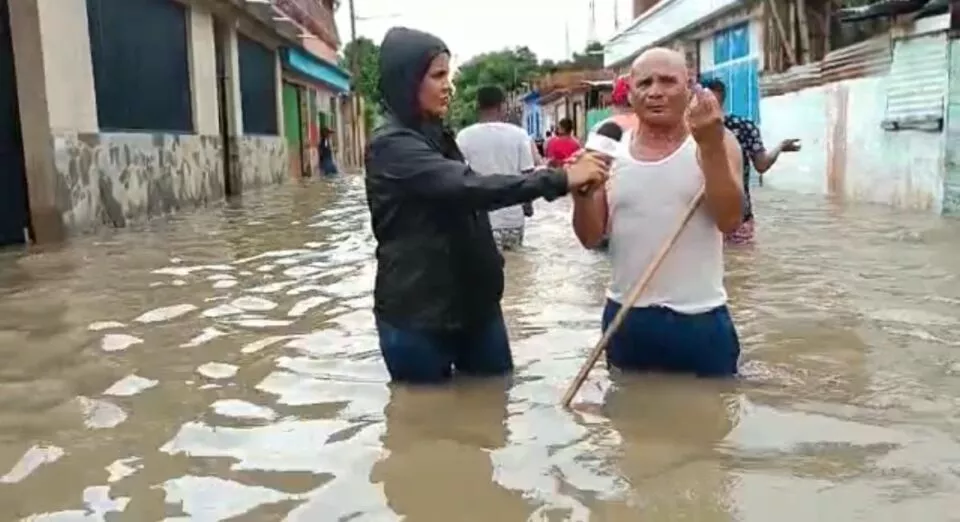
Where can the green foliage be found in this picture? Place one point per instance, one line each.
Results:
(510, 69)
(367, 75)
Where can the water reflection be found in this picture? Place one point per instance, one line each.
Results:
(668, 431)
(437, 449)
(222, 365)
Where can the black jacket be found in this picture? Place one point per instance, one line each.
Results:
(438, 267)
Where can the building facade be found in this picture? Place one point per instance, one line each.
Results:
(315, 88)
(106, 122)
(874, 109)
(567, 94)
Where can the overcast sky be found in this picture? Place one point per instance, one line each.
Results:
(473, 27)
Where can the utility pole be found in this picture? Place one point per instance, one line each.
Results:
(355, 98)
(592, 26)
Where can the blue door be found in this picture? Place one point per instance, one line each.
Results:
(734, 65)
(13, 187)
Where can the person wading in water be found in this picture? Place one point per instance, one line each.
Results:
(563, 146)
(748, 136)
(494, 146)
(681, 323)
(439, 274)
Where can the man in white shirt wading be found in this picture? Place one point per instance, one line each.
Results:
(493, 146)
(681, 322)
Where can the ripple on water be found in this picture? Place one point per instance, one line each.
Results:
(212, 498)
(100, 414)
(118, 342)
(34, 458)
(216, 370)
(130, 385)
(166, 313)
(239, 409)
(208, 334)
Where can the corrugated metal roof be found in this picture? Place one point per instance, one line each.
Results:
(868, 58)
(917, 81)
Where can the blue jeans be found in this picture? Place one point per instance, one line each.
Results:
(430, 357)
(662, 340)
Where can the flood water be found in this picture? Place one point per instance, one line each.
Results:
(222, 365)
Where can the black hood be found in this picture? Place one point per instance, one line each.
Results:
(405, 55)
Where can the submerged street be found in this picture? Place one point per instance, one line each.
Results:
(223, 365)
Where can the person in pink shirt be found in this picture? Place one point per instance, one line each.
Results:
(563, 146)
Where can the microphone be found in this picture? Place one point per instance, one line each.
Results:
(606, 141)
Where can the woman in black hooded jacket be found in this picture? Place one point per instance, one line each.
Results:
(439, 273)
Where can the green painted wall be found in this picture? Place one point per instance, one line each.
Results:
(291, 115)
(595, 116)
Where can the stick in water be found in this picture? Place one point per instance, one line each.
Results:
(631, 299)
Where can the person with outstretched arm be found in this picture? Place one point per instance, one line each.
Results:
(752, 150)
(439, 274)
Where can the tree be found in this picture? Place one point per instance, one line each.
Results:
(591, 58)
(367, 76)
(508, 69)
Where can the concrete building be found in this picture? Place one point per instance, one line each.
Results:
(315, 89)
(104, 120)
(878, 111)
(571, 94)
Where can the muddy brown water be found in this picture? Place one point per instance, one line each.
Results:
(222, 365)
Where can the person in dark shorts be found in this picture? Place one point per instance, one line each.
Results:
(752, 149)
(439, 274)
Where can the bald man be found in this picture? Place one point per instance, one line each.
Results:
(681, 323)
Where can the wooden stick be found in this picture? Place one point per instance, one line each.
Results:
(804, 31)
(631, 299)
(782, 31)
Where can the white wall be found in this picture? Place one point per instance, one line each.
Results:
(847, 152)
(203, 71)
(67, 66)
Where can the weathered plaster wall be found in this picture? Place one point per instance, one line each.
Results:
(846, 153)
(262, 161)
(116, 179)
(951, 185)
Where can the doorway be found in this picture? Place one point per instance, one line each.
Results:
(14, 214)
(293, 129)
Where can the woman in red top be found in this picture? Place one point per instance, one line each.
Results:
(561, 147)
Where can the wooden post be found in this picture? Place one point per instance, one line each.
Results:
(356, 132)
(782, 31)
(827, 29)
(768, 62)
(804, 30)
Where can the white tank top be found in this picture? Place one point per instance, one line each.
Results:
(646, 201)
